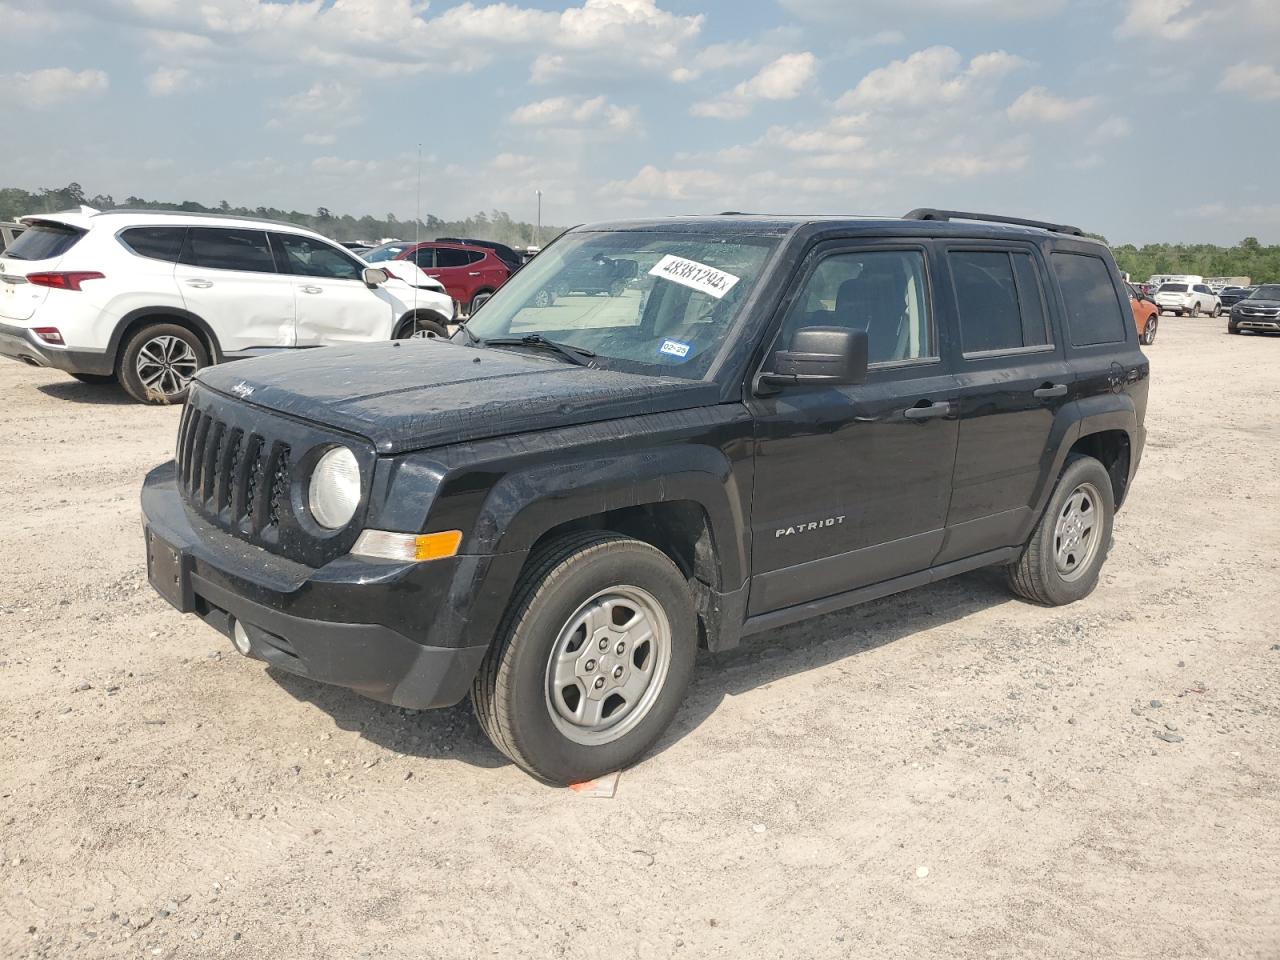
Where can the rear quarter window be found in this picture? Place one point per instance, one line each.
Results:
(157, 243)
(1093, 309)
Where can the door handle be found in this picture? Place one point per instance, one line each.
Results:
(474, 273)
(201, 284)
(1050, 390)
(932, 411)
(311, 289)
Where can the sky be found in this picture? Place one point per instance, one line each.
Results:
(1143, 120)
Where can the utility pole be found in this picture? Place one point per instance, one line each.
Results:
(537, 235)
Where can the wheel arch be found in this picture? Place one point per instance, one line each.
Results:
(1104, 427)
(135, 320)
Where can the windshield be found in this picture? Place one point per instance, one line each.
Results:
(43, 241)
(642, 302)
(1173, 288)
(1267, 291)
(388, 251)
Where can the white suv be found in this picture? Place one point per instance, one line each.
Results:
(148, 298)
(1190, 299)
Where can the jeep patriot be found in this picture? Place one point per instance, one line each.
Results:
(771, 418)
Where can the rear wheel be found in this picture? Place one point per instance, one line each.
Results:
(544, 298)
(1061, 562)
(159, 362)
(1149, 331)
(1217, 311)
(96, 379)
(1195, 309)
(617, 288)
(478, 301)
(592, 659)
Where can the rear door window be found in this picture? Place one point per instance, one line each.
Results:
(1000, 301)
(449, 257)
(224, 249)
(157, 243)
(43, 241)
(1093, 309)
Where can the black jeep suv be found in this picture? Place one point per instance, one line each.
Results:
(557, 507)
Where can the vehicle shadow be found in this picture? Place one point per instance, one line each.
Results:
(106, 394)
(763, 659)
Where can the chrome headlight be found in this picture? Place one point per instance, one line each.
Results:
(334, 491)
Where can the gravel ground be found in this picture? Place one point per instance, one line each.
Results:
(946, 773)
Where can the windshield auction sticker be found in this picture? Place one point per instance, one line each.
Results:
(690, 273)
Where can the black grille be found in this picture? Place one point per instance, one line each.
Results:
(222, 469)
(240, 468)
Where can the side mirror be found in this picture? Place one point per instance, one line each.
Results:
(831, 356)
(375, 276)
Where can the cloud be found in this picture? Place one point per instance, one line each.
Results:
(653, 183)
(165, 81)
(567, 112)
(1254, 80)
(843, 10)
(1041, 106)
(783, 79)
(1162, 19)
(928, 77)
(40, 88)
(319, 139)
(1112, 128)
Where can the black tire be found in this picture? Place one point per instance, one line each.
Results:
(510, 692)
(95, 379)
(1149, 331)
(1036, 576)
(544, 298)
(617, 288)
(131, 378)
(1232, 328)
(478, 301)
(1195, 310)
(1217, 311)
(421, 325)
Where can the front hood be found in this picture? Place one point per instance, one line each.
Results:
(1258, 304)
(412, 394)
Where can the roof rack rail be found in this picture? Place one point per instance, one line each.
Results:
(200, 214)
(928, 213)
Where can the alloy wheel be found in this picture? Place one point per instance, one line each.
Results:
(1077, 534)
(166, 364)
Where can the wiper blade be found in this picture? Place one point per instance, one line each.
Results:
(579, 355)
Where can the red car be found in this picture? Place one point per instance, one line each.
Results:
(470, 273)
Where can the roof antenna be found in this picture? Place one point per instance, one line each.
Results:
(417, 230)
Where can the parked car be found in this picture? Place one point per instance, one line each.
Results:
(470, 274)
(9, 232)
(556, 508)
(148, 298)
(1259, 312)
(1188, 299)
(505, 253)
(1146, 315)
(1230, 296)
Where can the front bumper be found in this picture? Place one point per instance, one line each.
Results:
(309, 621)
(19, 343)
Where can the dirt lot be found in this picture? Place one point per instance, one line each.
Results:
(162, 796)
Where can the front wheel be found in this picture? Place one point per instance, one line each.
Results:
(478, 301)
(159, 362)
(1061, 562)
(419, 327)
(544, 298)
(1149, 331)
(592, 658)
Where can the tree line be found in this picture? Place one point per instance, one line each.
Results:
(1248, 258)
(494, 225)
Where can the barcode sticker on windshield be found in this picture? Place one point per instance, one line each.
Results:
(690, 273)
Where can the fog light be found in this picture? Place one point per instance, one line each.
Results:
(240, 638)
